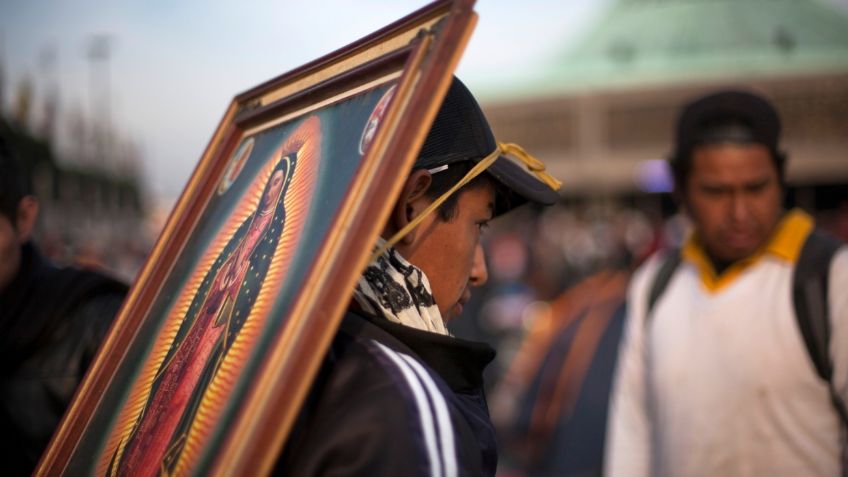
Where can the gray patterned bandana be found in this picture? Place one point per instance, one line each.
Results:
(394, 288)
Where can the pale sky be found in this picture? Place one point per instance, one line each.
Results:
(175, 66)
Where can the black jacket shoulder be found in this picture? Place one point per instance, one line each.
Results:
(391, 400)
(52, 321)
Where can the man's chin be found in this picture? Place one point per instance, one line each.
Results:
(452, 313)
(735, 247)
(736, 254)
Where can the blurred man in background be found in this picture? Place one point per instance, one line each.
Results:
(735, 354)
(52, 321)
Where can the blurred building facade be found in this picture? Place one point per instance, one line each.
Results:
(92, 209)
(601, 113)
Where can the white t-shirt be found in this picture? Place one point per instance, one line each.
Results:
(719, 381)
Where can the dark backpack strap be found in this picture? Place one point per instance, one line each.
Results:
(810, 297)
(661, 280)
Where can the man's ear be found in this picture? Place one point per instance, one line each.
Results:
(27, 214)
(412, 200)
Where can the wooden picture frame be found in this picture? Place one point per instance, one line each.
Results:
(207, 364)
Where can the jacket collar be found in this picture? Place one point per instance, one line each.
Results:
(459, 362)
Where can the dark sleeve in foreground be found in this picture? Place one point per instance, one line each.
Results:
(36, 396)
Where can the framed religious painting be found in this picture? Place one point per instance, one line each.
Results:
(214, 350)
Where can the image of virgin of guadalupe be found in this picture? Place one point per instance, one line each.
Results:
(213, 320)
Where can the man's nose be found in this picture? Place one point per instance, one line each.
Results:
(479, 272)
(739, 208)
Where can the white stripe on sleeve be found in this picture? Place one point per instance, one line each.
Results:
(443, 420)
(424, 410)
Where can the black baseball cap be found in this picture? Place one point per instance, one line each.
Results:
(461, 132)
(758, 118)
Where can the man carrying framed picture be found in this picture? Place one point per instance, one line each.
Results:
(397, 394)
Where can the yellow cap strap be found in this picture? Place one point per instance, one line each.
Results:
(534, 165)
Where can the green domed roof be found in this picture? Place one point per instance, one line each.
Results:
(671, 41)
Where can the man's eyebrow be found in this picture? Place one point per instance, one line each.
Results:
(759, 181)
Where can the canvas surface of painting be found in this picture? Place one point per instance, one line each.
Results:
(251, 248)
